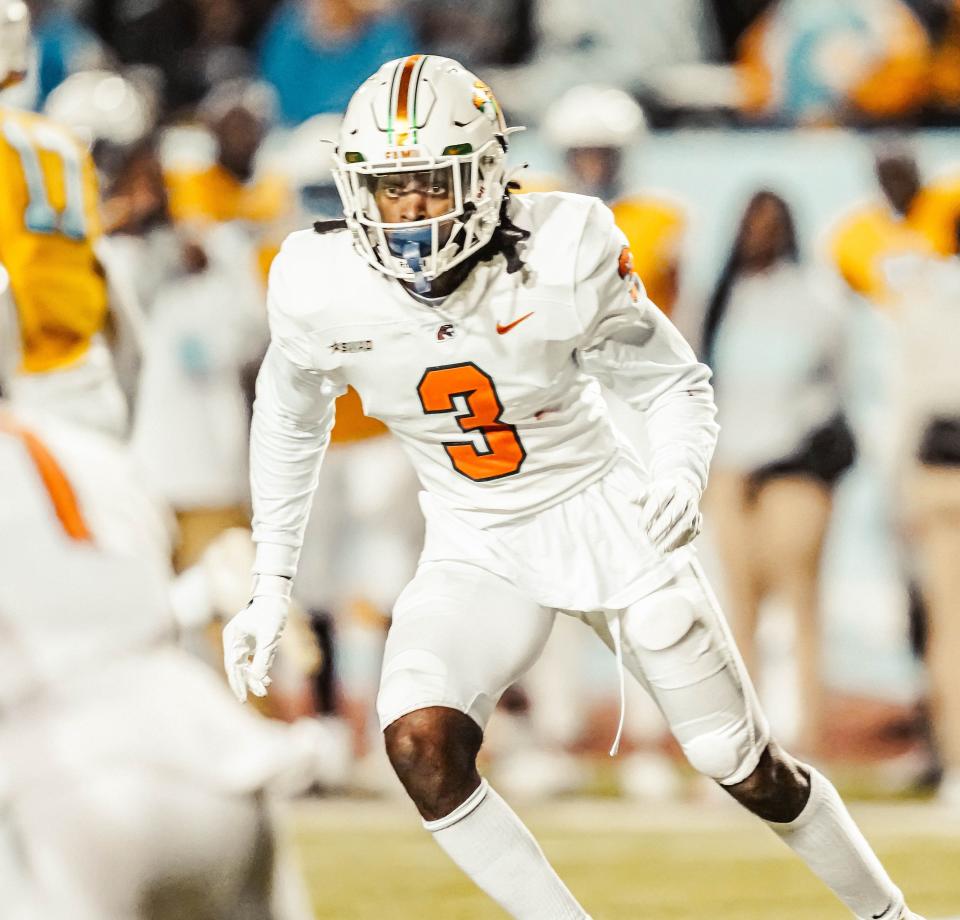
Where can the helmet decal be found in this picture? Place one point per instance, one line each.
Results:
(402, 120)
(486, 102)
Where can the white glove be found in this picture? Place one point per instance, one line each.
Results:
(671, 512)
(250, 639)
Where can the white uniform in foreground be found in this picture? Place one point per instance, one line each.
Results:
(130, 787)
(532, 503)
(530, 496)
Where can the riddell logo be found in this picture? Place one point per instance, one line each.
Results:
(446, 331)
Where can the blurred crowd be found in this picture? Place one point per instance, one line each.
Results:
(857, 62)
(208, 121)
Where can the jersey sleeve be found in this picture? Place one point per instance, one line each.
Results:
(632, 348)
(293, 415)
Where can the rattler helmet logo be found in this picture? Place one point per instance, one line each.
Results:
(486, 102)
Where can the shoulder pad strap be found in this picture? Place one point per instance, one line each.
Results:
(328, 226)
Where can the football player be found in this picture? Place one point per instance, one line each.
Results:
(878, 243)
(478, 326)
(120, 799)
(67, 304)
(596, 126)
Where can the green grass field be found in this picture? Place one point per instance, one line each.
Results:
(709, 862)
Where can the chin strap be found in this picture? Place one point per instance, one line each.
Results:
(411, 255)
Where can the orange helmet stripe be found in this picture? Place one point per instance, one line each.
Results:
(404, 102)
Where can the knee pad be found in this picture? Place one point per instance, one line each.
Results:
(726, 756)
(694, 678)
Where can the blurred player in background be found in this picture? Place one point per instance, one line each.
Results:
(597, 127)
(132, 788)
(784, 441)
(912, 221)
(927, 399)
(232, 188)
(533, 504)
(70, 307)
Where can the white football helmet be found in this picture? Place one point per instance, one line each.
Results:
(100, 105)
(594, 115)
(422, 114)
(14, 42)
(307, 162)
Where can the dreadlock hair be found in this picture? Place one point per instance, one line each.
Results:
(507, 236)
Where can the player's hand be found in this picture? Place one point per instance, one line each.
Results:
(250, 643)
(671, 512)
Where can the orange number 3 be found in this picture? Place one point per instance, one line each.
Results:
(504, 454)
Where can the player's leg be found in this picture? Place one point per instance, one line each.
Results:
(792, 516)
(677, 643)
(460, 636)
(731, 521)
(935, 507)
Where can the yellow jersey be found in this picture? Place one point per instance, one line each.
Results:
(215, 195)
(49, 224)
(868, 244)
(654, 229)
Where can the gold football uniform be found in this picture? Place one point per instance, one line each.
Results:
(215, 195)
(654, 229)
(868, 244)
(49, 223)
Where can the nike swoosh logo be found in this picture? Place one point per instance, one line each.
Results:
(882, 913)
(502, 330)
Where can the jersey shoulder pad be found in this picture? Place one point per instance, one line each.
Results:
(306, 280)
(558, 223)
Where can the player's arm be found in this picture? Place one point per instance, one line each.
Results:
(631, 347)
(125, 324)
(293, 415)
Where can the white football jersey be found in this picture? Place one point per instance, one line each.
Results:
(84, 554)
(493, 392)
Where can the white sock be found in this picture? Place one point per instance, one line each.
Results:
(826, 838)
(489, 843)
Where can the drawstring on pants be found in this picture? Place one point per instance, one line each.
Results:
(614, 621)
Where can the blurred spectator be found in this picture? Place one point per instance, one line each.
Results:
(316, 52)
(193, 44)
(827, 61)
(595, 127)
(775, 340)
(928, 396)
(63, 43)
(607, 41)
(945, 74)
(480, 34)
(237, 113)
(876, 241)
